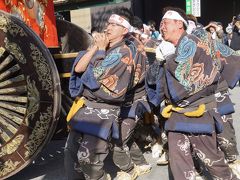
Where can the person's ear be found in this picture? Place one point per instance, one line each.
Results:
(125, 31)
(180, 24)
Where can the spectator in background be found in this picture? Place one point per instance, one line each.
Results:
(138, 27)
(152, 26)
(222, 35)
(127, 154)
(147, 39)
(216, 30)
(235, 41)
(229, 31)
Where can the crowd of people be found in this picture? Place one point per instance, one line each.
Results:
(177, 104)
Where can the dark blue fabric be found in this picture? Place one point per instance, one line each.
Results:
(209, 122)
(89, 80)
(75, 83)
(218, 124)
(171, 88)
(115, 130)
(194, 128)
(226, 109)
(235, 80)
(77, 80)
(93, 129)
(138, 108)
(132, 47)
(152, 96)
(92, 121)
(154, 84)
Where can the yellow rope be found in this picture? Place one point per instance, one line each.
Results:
(77, 104)
(167, 111)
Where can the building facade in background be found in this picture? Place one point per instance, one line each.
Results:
(96, 12)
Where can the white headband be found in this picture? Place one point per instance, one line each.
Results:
(174, 15)
(114, 18)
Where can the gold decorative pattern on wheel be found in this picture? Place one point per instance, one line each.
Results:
(8, 167)
(33, 98)
(39, 133)
(42, 68)
(6, 25)
(12, 146)
(15, 50)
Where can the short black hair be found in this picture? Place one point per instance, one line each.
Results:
(137, 22)
(95, 29)
(219, 24)
(124, 12)
(151, 23)
(238, 17)
(179, 11)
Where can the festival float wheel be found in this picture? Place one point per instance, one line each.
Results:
(30, 95)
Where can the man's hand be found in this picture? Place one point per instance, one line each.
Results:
(237, 24)
(164, 50)
(101, 41)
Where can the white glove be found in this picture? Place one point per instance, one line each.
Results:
(191, 26)
(164, 50)
(214, 35)
(229, 28)
(156, 150)
(159, 55)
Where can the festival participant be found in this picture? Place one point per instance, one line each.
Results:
(191, 79)
(100, 79)
(227, 139)
(127, 154)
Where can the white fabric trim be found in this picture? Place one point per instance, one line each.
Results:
(191, 26)
(174, 15)
(136, 30)
(114, 18)
(144, 36)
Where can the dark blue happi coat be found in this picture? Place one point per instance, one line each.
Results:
(103, 85)
(136, 102)
(194, 72)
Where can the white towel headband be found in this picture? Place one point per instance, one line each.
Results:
(174, 15)
(114, 18)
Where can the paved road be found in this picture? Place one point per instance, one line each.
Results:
(49, 165)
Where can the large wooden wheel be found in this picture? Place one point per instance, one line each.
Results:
(30, 95)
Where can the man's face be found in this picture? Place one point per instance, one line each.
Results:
(115, 32)
(168, 28)
(212, 29)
